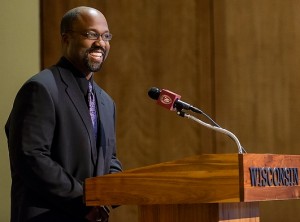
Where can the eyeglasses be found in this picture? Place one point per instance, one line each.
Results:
(95, 35)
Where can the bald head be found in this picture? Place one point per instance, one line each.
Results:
(73, 16)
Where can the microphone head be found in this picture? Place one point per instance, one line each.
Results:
(165, 98)
(153, 93)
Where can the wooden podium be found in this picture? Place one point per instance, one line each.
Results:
(210, 187)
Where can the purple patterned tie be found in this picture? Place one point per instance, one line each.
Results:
(92, 108)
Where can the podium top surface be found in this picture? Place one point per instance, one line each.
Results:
(208, 178)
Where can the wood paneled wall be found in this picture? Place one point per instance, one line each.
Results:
(257, 77)
(236, 60)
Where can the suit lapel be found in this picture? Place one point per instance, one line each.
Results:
(101, 105)
(75, 95)
(103, 123)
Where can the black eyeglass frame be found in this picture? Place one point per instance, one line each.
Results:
(92, 35)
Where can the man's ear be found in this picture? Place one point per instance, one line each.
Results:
(65, 38)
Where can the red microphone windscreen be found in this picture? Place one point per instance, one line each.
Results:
(167, 99)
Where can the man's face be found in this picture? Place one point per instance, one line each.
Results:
(86, 54)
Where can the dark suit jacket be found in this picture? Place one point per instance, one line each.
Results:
(52, 148)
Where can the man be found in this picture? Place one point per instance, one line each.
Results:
(61, 129)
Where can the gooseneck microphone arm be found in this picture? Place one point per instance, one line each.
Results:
(216, 128)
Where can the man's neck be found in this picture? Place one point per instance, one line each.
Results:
(89, 76)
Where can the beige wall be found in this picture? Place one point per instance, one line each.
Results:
(19, 59)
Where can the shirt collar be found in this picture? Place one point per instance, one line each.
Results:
(65, 63)
(79, 76)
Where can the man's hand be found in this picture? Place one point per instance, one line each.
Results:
(98, 214)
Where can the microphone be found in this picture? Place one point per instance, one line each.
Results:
(170, 100)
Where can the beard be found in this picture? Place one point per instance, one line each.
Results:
(91, 65)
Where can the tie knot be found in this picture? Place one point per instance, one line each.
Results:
(90, 87)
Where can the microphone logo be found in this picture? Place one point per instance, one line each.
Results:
(165, 99)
